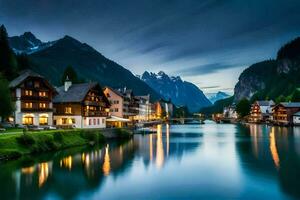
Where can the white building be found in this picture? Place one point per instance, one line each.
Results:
(33, 96)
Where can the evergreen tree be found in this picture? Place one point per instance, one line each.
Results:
(6, 105)
(243, 107)
(280, 99)
(23, 62)
(8, 62)
(71, 74)
(296, 96)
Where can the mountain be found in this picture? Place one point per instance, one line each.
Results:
(213, 97)
(27, 43)
(182, 93)
(51, 61)
(276, 79)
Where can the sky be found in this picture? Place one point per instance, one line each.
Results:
(207, 42)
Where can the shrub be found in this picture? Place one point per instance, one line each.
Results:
(58, 136)
(123, 133)
(26, 140)
(90, 135)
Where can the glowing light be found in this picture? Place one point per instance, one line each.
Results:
(43, 169)
(273, 149)
(159, 148)
(28, 170)
(106, 164)
(66, 162)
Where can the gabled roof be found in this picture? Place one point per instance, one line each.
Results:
(297, 114)
(115, 91)
(76, 93)
(289, 104)
(265, 103)
(26, 74)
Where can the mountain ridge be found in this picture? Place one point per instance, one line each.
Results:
(51, 60)
(182, 93)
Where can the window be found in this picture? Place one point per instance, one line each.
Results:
(68, 121)
(98, 121)
(94, 121)
(43, 120)
(28, 105)
(68, 110)
(90, 122)
(27, 120)
(116, 110)
(42, 105)
(28, 92)
(42, 94)
(103, 121)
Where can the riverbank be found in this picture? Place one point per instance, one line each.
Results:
(15, 145)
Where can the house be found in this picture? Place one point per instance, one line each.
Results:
(124, 107)
(81, 105)
(32, 95)
(296, 118)
(283, 113)
(261, 111)
(146, 110)
(230, 112)
(166, 108)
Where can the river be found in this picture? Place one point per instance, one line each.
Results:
(209, 161)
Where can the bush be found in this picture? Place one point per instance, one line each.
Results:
(123, 133)
(26, 140)
(58, 136)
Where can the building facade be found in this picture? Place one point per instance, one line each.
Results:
(283, 113)
(80, 105)
(261, 111)
(33, 97)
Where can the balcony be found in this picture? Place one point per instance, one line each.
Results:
(94, 114)
(36, 109)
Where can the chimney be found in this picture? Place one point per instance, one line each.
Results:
(68, 84)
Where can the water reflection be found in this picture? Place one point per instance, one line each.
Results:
(217, 161)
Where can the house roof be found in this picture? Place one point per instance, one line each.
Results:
(26, 74)
(265, 103)
(115, 91)
(297, 114)
(289, 104)
(76, 93)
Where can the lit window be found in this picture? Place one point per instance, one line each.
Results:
(42, 105)
(43, 120)
(28, 105)
(68, 110)
(42, 94)
(28, 92)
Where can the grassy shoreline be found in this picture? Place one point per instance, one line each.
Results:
(16, 145)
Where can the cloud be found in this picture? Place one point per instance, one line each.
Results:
(206, 69)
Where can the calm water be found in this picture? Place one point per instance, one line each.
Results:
(210, 161)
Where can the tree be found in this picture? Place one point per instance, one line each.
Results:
(296, 96)
(243, 107)
(280, 98)
(6, 105)
(71, 74)
(23, 62)
(8, 62)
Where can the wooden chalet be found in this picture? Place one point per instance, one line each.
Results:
(283, 113)
(80, 105)
(32, 95)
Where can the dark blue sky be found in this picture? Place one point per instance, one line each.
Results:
(208, 42)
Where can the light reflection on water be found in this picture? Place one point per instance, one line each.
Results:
(179, 161)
